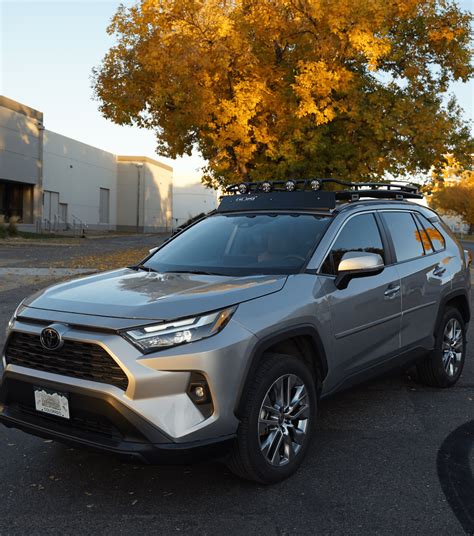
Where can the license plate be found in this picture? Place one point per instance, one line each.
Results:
(52, 402)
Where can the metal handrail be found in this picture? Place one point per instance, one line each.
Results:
(58, 219)
(82, 226)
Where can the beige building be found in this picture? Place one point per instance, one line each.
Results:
(21, 149)
(52, 182)
(191, 199)
(145, 194)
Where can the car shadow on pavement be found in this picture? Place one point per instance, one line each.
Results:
(456, 474)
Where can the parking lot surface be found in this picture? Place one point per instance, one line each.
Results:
(391, 457)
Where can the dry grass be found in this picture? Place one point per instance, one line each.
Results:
(106, 261)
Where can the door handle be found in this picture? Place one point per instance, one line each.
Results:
(391, 291)
(439, 270)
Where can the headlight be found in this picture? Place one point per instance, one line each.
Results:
(159, 336)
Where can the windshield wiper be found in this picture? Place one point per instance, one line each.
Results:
(142, 267)
(195, 272)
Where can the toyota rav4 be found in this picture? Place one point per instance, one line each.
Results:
(222, 341)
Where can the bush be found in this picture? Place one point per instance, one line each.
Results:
(3, 229)
(12, 226)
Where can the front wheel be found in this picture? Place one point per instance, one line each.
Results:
(444, 365)
(277, 420)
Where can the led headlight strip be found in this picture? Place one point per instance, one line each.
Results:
(166, 335)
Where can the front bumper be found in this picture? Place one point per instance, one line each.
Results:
(154, 418)
(99, 422)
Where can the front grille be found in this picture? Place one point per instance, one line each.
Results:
(77, 359)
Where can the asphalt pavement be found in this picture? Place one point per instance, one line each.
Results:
(391, 457)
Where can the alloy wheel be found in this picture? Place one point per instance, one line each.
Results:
(283, 420)
(453, 345)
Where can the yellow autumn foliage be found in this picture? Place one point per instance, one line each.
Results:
(291, 88)
(452, 190)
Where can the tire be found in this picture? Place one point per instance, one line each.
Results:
(292, 434)
(439, 369)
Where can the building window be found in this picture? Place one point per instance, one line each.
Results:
(104, 208)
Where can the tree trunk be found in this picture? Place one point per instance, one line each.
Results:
(471, 228)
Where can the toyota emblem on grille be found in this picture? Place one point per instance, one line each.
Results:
(51, 339)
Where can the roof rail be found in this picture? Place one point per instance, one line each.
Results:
(353, 191)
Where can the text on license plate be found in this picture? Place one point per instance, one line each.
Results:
(52, 402)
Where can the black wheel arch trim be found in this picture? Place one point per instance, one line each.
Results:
(453, 294)
(304, 330)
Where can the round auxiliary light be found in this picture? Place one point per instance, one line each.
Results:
(290, 185)
(200, 392)
(243, 188)
(266, 187)
(315, 184)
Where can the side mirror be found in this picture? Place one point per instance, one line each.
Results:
(152, 250)
(357, 264)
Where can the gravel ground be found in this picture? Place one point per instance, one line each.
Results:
(391, 457)
(63, 255)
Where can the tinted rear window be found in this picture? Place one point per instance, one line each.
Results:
(405, 235)
(425, 239)
(434, 235)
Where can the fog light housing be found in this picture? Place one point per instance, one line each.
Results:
(199, 392)
(290, 185)
(243, 188)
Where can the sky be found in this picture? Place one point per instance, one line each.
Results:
(47, 51)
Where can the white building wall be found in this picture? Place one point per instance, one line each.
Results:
(19, 146)
(155, 193)
(49, 175)
(127, 181)
(21, 135)
(78, 171)
(158, 198)
(190, 200)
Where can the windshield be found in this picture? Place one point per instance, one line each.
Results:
(242, 244)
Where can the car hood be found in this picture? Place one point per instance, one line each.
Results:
(129, 294)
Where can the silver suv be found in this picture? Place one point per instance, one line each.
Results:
(222, 341)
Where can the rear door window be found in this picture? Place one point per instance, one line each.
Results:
(434, 235)
(425, 239)
(407, 240)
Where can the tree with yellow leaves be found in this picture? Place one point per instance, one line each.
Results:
(291, 88)
(452, 191)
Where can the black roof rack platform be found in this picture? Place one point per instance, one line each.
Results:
(278, 200)
(352, 191)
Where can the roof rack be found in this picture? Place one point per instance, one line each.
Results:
(353, 191)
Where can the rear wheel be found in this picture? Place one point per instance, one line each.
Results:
(444, 365)
(277, 420)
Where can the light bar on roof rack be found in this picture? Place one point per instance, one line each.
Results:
(352, 190)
